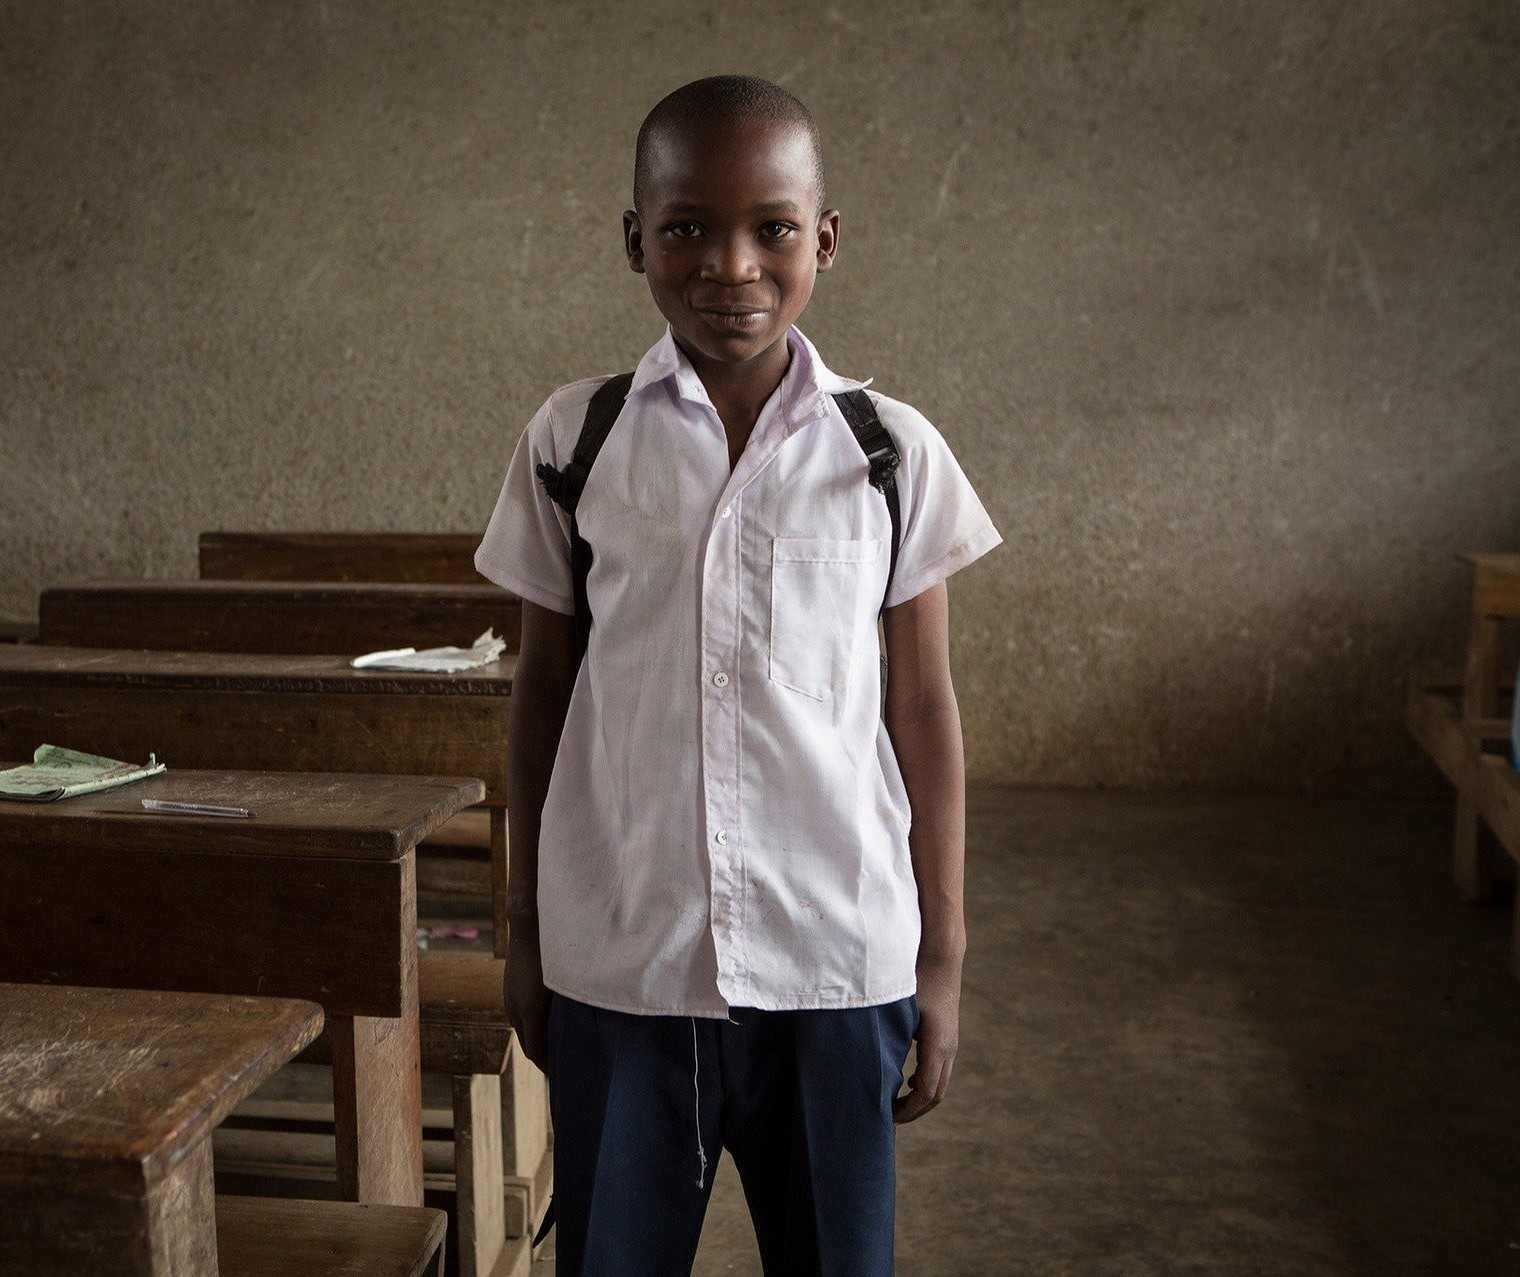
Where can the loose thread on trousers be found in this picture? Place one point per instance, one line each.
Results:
(696, 1068)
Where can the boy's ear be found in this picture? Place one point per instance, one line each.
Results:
(633, 241)
(828, 238)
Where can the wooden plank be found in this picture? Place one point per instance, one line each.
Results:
(328, 930)
(468, 829)
(466, 1029)
(290, 617)
(442, 873)
(1499, 802)
(106, 1102)
(525, 1114)
(1480, 679)
(268, 1237)
(439, 558)
(528, 1197)
(248, 1151)
(1435, 721)
(377, 1088)
(480, 1203)
(1496, 584)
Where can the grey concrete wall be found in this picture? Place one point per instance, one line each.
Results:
(1218, 302)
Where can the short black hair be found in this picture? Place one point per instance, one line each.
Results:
(725, 97)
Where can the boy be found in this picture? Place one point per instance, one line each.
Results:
(711, 861)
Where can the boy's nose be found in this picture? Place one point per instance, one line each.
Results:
(731, 262)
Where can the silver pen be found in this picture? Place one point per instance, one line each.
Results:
(192, 809)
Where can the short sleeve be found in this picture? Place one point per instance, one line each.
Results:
(944, 525)
(526, 546)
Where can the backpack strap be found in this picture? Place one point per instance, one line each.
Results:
(882, 453)
(565, 487)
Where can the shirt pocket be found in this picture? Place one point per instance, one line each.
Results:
(817, 587)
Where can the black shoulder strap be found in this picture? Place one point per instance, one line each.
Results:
(882, 453)
(565, 487)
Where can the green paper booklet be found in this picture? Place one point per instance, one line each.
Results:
(55, 772)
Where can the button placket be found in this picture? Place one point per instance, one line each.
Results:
(720, 748)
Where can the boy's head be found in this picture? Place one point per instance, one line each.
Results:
(728, 223)
(721, 98)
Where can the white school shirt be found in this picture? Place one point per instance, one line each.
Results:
(726, 824)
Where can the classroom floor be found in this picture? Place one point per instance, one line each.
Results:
(1207, 1036)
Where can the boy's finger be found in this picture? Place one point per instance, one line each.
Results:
(912, 1106)
(926, 1088)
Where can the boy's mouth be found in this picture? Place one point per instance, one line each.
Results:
(735, 319)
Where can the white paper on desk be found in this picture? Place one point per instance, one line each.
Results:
(436, 660)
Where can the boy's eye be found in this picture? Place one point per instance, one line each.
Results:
(777, 230)
(683, 230)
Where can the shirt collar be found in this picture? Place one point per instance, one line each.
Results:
(804, 389)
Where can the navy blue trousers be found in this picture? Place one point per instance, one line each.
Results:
(802, 1100)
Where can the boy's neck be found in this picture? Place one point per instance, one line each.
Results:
(739, 391)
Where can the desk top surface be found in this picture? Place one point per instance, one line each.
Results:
(121, 1076)
(305, 814)
(31, 665)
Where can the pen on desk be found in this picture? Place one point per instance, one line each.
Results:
(192, 809)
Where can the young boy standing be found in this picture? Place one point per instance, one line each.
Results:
(724, 932)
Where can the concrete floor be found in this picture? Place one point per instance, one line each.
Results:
(1212, 1036)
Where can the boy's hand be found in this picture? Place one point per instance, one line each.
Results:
(938, 1037)
(526, 998)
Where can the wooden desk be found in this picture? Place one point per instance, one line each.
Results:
(297, 618)
(296, 713)
(107, 1100)
(314, 897)
(439, 558)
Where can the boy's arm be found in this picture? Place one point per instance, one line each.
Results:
(924, 724)
(546, 667)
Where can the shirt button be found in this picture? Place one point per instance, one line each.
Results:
(720, 679)
(721, 837)
(725, 512)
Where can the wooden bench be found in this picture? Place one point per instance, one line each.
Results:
(107, 1100)
(1463, 723)
(437, 558)
(268, 1237)
(312, 897)
(297, 618)
(309, 713)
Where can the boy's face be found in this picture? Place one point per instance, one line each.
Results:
(731, 239)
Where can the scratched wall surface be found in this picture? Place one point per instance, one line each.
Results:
(1217, 303)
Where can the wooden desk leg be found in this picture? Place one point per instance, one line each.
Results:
(499, 880)
(480, 1201)
(377, 1108)
(182, 1215)
(1514, 941)
(1474, 850)
(1475, 853)
(165, 1229)
(1480, 675)
(377, 1086)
